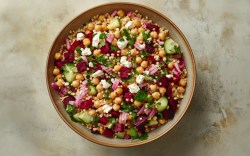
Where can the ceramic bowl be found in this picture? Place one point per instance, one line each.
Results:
(174, 33)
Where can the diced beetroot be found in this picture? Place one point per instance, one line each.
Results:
(163, 81)
(176, 79)
(151, 59)
(127, 137)
(169, 91)
(59, 64)
(73, 46)
(114, 114)
(81, 66)
(67, 99)
(63, 91)
(108, 133)
(124, 72)
(151, 26)
(105, 48)
(140, 121)
(54, 86)
(103, 120)
(95, 131)
(141, 129)
(177, 56)
(118, 127)
(86, 104)
(72, 89)
(128, 96)
(173, 104)
(168, 114)
(90, 36)
(69, 57)
(150, 48)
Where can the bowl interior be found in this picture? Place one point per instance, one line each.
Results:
(175, 33)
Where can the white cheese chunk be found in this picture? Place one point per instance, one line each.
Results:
(105, 84)
(91, 64)
(133, 88)
(140, 79)
(86, 51)
(96, 39)
(129, 25)
(122, 44)
(169, 76)
(79, 36)
(106, 108)
(98, 73)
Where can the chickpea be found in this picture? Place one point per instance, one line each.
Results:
(112, 95)
(99, 87)
(153, 34)
(144, 64)
(90, 26)
(104, 27)
(139, 70)
(140, 30)
(171, 65)
(134, 31)
(92, 112)
(180, 90)
(162, 90)
(118, 100)
(156, 95)
(133, 52)
(124, 51)
(116, 107)
(138, 60)
(98, 27)
(97, 104)
(86, 42)
(99, 95)
(59, 76)
(117, 34)
(137, 103)
(100, 110)
(108, 101)
(162, 53)
(75, 83)
(129, 117)
(95, 81)
(183, 82)
(58, 56)
(101, 18)
(97, 52)
(56, 71)
(119, 90)
(114, 42)
(117, 68)
(153, 88)
(162, 121)
(137, 23)
(79, 77)
(101, 130)
(139, 38)
(120, 13)
(162, 36)
(60, 84)
(60, 80)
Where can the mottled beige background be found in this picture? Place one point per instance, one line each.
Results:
(219, 33)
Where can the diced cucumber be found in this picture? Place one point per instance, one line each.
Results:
(85, 117)
(92, 90)
(148, 78)
(76, 117)
(133, 133)
(130, 79)
(152, 123)
(120, 135)
(161, 104)
(169, 46)
(115, 23)
(69, 71)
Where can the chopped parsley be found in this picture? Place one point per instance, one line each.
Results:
(145, 36)
(113, 48)
(105, 95)
(102, 43)
(141, 96)
(78, 50)
(103, 36)
(143, 136)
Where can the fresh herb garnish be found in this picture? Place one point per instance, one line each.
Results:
(78, 50)
(177, 49)
(113, 48)
(121, 39)
(141, 96)
(144, 53)
(145, 36)
(70, 109)
(105, 95)
(133, 132)
(127, 108)
(158, 103)
(130, 39)
(101, 44)
(143, 136)
(103, 36)
(168, 60)
(101, 59)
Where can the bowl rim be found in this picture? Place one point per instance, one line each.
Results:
(131, 144)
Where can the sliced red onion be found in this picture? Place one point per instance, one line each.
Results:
(71, 102)
(83, 92)
(106, 69)
(67, 43)
(141, 110)
(176, 73)
(152, 113)
(129, 13)
(110, 37)
(113, 13)
(115, 84)
(160, 42)
(143, 85)
(138, 46)
(176, 66)
(84, 58)
(123, 118)
(152, 70)
(54, 86)
(181, 64)
(147, 111)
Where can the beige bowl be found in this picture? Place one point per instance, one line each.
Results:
(157, 17)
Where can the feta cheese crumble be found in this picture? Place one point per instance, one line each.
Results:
(98, 73)
(169, 76)
(129, 25)
(79, 36)
(91, 64)
(125, 63)
(86, 51)
(106, 108)
(133, 88)
(122, 44)
(105, 84)
(140, 79)
(96, 39)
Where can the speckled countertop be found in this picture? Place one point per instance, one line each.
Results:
(217, 122)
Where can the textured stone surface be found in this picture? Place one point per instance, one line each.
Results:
(217, 122)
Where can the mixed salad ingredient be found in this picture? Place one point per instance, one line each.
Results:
(120, 75)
